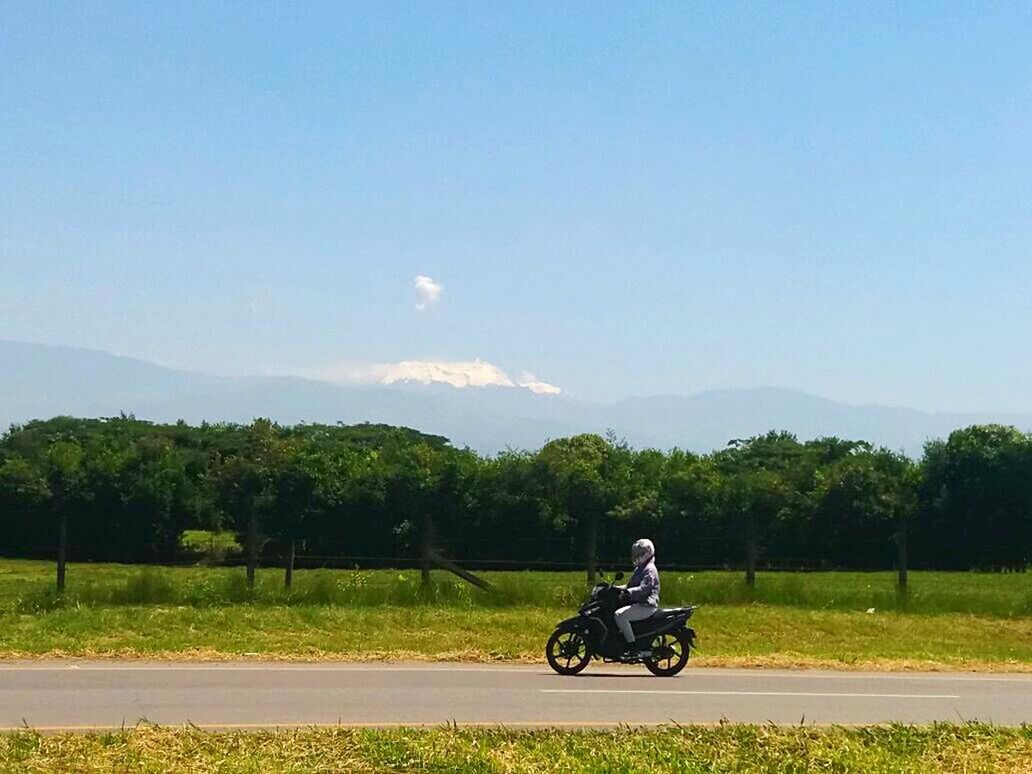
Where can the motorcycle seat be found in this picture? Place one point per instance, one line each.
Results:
(669, 612)
(662, 617)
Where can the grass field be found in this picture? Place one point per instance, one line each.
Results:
(896, 749)
(957, 620)
(28, 585)
(204, 541)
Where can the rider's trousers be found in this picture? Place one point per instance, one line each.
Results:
(625, 615)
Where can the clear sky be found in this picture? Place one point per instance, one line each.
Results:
(619, 198)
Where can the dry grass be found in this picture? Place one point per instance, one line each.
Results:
(729, 636)
(970, 749)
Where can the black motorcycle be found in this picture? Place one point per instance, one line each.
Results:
(662, 642)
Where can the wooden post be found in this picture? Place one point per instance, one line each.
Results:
(901, 554)
(752, 551)
(288, 579)
(252, 547)
(591, 546)
(466, 575)
(62, 551)
(426, 547)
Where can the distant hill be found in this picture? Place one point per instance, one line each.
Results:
(38, 381)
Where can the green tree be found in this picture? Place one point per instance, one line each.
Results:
(424, 483)
(976, 498)
(861, 502)
(64, 473)
(765, 483)
(584, 478)
(159, 496)
(690, 489)
(242, 486)
(303, 484)
(23, 490)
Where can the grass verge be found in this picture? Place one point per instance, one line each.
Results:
(757, 636)
(802, 620)
(939, 748)
(28, 585)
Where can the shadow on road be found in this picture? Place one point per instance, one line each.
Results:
(586, 675)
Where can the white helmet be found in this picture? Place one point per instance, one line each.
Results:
(642, 552)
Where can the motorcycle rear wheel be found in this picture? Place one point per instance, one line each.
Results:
(674, 649)
(567, 652)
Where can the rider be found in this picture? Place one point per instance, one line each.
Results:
(642, 590)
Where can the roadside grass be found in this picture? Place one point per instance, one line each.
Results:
(729, 748)
(745, 636)
(200, 612)
(28, 586)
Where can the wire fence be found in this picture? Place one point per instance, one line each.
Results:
(274, 554)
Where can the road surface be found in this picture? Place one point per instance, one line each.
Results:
(84, 695)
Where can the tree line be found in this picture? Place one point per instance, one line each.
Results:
(122, 489)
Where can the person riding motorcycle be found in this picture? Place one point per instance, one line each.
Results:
(641, 591)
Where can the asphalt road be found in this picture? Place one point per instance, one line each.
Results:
(83, 695)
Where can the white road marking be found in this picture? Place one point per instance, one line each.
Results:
(759, 693)
(820, 675)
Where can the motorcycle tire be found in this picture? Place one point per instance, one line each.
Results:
(567, 652)
(679, 645)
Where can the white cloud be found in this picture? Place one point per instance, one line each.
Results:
(427, 291)
(348, 372)
(471, 373)
(457, 373)
(532, 383)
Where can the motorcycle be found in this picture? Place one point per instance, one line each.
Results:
(663, 641)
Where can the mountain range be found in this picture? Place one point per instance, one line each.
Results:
(41, 381)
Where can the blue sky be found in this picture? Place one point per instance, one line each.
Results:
(622, 199)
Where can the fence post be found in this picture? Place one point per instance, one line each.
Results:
(62, 551)
(252, 546)
(466, 575)
(901, 553)
(426, 547)
(592, 549)
(752, 551)
(288, 578)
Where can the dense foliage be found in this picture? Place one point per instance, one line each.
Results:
(127, 490)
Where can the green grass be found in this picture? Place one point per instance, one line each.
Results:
(897, 749)
(202, 540)
(951, 620)
(28, 584)
(729, 635)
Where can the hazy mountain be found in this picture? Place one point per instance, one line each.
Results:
(39, 381)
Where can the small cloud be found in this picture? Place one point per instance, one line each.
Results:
(535, 385)
(427, 291)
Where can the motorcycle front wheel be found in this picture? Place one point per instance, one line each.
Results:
(567, 652)
(670, 654)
